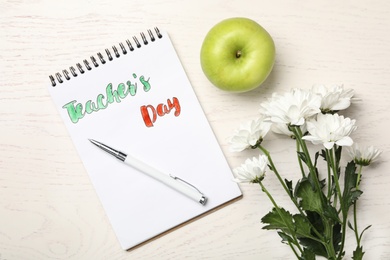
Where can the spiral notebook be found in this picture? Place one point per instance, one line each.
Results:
(137, 98)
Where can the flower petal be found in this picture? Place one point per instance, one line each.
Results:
(329, 145)
(345, 141)
(252, 170)
(249, 134)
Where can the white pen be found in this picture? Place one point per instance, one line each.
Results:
(172, 181)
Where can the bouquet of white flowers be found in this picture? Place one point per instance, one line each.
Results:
(322, 199)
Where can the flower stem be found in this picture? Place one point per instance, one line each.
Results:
(314, 177)
(275, 170)
(355, 208)
(329, 245)
(329, 176)
(359, 176)
(355, 225)
(294, 250)
(299, 159)
(332, 157)
(265, 151)
(291, 229)
(298, 134)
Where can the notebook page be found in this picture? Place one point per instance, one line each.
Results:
(142, 103)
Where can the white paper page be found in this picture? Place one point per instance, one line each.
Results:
(180, 143)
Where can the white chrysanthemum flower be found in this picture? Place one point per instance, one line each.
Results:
(329, 130)
(249, 134)
(292, 108)
(363, 155)
(252, 171)
(334, 98)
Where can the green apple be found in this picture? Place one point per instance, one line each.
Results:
(237, 55)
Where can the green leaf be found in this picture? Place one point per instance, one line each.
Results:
(350, 194)
(364, 230)
(316, 158)
(286, 239)
(322, 183)
(308, 255)
(353, 195)
(338, 155)
(318, 248)
(350, 178)
(316, 221)
(358, 253)
(298, 223)
(302, 156)
(290, 187)
(276, 221)
(313, 246)
(311, 200)
(323, 154)
(331, 213)
(350, 225)
(302, 226)
(337, 236)
(297, 188)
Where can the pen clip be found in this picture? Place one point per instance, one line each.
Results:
(189, 184)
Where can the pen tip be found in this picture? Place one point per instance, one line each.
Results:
(93, 141)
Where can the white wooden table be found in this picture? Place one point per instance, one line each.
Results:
(48, 207)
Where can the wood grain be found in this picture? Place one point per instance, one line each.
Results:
(48, 207)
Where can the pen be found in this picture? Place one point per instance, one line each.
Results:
(172, 181)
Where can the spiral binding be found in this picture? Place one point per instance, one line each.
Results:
(93, 62)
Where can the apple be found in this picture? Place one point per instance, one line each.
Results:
(237, 55)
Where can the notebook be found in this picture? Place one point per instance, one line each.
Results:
(136, 97)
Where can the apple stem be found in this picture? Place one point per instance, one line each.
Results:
(238, 54)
